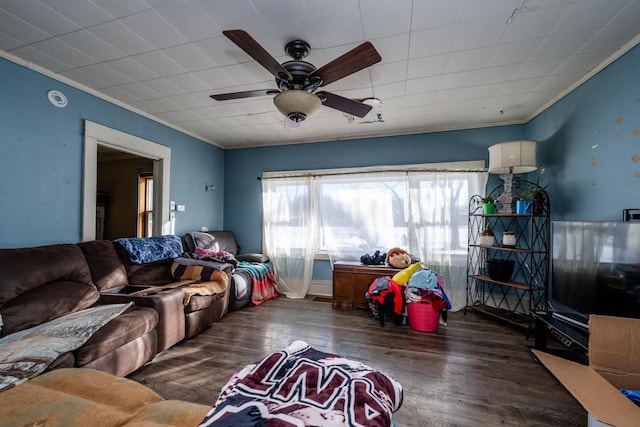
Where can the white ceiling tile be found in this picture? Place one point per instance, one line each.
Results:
(480, 33)
(231, 14)
(92, 45)
(392, 48)
(424, 84)
(107, 74)
(389, 73)
(527, 24)
(320, 7)
(247, 72)
(562, 45)
(217, 78)
(628, 15)
(540, 68)
(140, 91)
(617, 35)
(497, 74)
(580, 63)
(82, 12)
(390, 91)
(192, 101)
(20, 30)
(120, 8)
(160, 63)
(462, 79)
(188, 82)
(191, 20)
(40, 15)
(490, 8)
(513, 53)
(65, 53)
(221, 51)
(557, 83)
(163, 105)
(43, 59)
(381, 18)
(347, 19)
(122, 38)
(120, 94)
(468, 59)
(154, 29)
(162, 86)
(427, 66)
(84, 78)
(589, 15)
(437, 13)
(280, 12)
(433, 41)
(189, 57)
(523, 86)
(8, 43)
(133, 69)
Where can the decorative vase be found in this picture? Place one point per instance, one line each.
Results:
(489, 208)
(523, 206)
(487, 239)
(508, 238)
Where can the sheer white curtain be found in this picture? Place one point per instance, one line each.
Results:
(362, 213)
(439, 223)
(290, 224)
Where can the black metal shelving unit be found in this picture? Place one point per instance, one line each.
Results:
(512, 301)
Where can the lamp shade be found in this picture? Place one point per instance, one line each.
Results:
(296, 104)
(512, 157)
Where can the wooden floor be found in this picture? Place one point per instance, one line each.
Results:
(473, 372)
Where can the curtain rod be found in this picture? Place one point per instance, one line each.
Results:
(314, 175)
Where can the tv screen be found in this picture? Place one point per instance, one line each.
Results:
(596, 267)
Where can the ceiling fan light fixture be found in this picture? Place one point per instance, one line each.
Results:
(296, 104)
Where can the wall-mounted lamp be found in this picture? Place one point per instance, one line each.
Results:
(508, 159)
(210, 187)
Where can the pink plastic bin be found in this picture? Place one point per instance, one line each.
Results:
(422, 316)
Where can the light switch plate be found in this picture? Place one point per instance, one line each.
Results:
(172, 205)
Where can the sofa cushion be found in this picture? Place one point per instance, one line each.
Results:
(25, 269)
(132, 324)
(223, 241)
(107, 269)
(152, 273)
(46, 303)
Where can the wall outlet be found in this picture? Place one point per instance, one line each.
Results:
(180, 208)
(204, 229)
(172, 216)
(172, 205)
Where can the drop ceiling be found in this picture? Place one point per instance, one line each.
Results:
(446, 64)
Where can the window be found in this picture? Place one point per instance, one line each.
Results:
(145, 206)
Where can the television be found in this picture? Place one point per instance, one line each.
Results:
(595, 267)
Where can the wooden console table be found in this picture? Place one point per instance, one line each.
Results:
(351, 281)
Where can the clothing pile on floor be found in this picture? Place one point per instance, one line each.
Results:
(388, 299)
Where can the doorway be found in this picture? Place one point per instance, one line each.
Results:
(98, 137)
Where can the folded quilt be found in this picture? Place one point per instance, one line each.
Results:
(142, 250)
(301, 386)
(264, 281)
(28, 353)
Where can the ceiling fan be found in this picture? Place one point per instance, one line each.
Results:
(297, 95)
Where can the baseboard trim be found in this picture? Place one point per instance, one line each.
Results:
(322, 288)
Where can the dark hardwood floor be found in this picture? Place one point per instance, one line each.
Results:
(473, 372)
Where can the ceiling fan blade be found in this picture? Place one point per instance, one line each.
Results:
(353, 61)
(245, 94)
(257, 52)
(343, 104)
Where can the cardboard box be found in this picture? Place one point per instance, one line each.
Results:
(614, 363)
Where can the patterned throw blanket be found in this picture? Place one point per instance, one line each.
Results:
(264, 281)
(148, 249)
(301, 386)
(28, 353)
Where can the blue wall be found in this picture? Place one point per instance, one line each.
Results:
(243, 192)
(41, 161)
(589, 142)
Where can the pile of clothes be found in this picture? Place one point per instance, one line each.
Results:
(388, 296)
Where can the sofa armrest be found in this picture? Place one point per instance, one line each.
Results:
(252, 258)
(169, 305)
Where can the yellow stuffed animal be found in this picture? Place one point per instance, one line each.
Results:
(402, 276)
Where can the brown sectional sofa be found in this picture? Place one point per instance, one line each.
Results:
(39, 284)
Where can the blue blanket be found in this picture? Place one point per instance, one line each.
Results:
(148, 249)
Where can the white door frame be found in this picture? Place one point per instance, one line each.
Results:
(98, 135)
